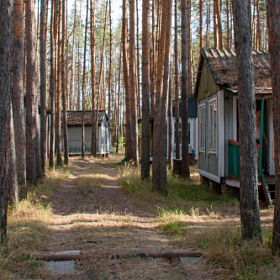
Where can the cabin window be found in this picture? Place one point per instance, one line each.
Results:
(213, 125)
(201, 117)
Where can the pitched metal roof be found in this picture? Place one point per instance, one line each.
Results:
(222, 64)
(75, 117)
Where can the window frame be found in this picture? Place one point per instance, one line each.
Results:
(213, 126)
(202, 127)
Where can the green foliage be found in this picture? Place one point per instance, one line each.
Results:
(121, 141)
(175, 227)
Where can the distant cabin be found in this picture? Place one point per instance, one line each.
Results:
(74, 127)
(216, 91)
(192, 121)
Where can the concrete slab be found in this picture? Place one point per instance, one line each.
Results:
(63, 267)
(187, 260)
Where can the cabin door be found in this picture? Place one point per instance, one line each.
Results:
(267, 151)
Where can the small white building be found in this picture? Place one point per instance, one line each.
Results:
(103, 133)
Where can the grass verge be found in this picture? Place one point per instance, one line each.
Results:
(28, 229)
(199, 219)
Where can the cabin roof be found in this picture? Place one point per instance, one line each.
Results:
(222, 65)
(75, 117)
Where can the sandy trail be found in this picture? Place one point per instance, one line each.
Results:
(103, 220)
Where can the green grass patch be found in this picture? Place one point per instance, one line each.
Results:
(182, 195)
(175, 227)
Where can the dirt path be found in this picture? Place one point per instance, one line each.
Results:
(102, 220)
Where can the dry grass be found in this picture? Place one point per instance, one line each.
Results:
(191, 217)
(200, 220)
(28, 228)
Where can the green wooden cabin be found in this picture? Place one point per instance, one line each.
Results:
(217, 94)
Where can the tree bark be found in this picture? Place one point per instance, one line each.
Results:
(72, 83)
(169, 113)
(145, 157)
(126, 80)
(64, 67)
(138, 62)
(6, 43)
(227, 24)
(58, 89)
(18, 96)
(200, 24)
(160, 126)
(177, 117)
(43, 88)
(132, 80)
(119, 102)
(207, 43)
(185, 90)
(52, 83)
(92, 42)
(219, 25)
(83, 86)
(249, 204)
(13, 182)
(110, 65)
(31, 95)
(152, 59)
(273, 19)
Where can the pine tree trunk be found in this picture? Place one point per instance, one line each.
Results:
(58, 89)
(126, 80)
(43, 88)
(110, 65)
(52, 84)
(18, 99)
(215, 23)
(6, 43)
(72, 82)
(92, 42)
(12, 181)
(64, 86)
(219, 25)
(83, 86)
(177, 117)
(207, 43)
(185, 89)
(78, 106)
(160, 133)
(169, 113)
(132, 80)
(258, 31)
(145, 157)
(228, 30)
(152, 59)
(138, 63)
(249, 203)
(273, 19)
(31, 95)
(190, 62)
(200, 24)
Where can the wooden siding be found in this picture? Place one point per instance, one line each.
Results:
(207, 85)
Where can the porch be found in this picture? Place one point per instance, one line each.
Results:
(266, 183)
